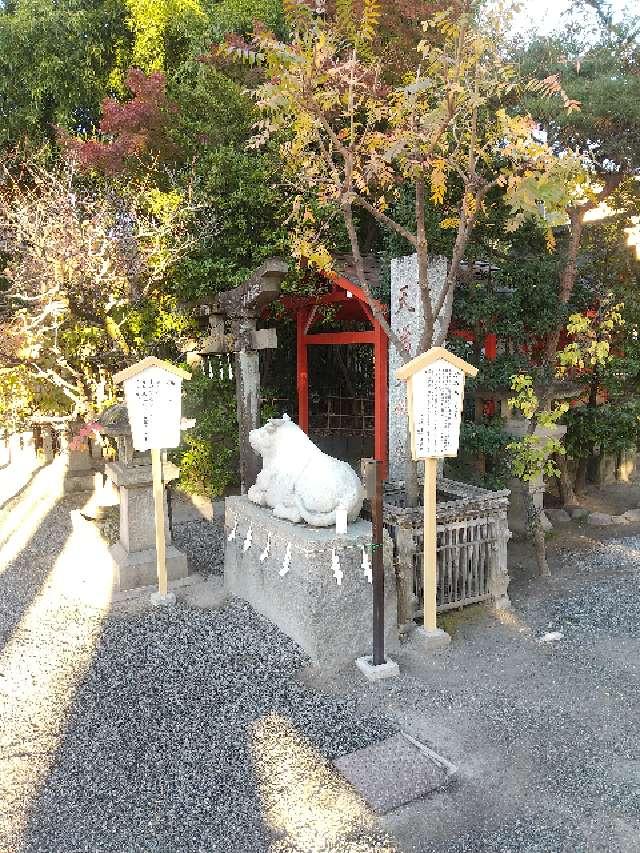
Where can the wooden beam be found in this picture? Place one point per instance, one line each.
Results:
(328, 338)
(302, 370)
(259, 339)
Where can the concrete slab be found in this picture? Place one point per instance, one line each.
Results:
(430, 641)
(388, 669)
(133, 569)
(394, 772)
(159, 600)
(207, 594)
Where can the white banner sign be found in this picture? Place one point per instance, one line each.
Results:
(154, 405)
(437, 392)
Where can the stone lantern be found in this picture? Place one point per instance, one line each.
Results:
(134, 555)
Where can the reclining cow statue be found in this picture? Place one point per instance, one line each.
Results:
(298, 480)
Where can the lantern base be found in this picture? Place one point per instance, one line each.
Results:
(138, 568)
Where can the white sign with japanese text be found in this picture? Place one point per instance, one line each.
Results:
(154, 405)
(437, 392)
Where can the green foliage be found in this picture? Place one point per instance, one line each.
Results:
(600, 70)
(162, 30)
(239, 204)
(609, 428)
(208, 455)
(239, 16)
(533, 454)
(56, 63)
(488, 440)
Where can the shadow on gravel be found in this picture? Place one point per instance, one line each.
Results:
(174, 734)
(24, 576)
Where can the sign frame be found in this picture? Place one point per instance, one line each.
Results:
(407, 373)
(156, 464)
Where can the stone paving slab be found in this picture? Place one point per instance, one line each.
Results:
(394, 772)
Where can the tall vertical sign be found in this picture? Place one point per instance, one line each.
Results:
(435, 394)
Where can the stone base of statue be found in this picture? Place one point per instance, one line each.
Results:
(288, 573)
(134, 556)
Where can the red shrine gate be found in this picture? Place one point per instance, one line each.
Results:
(350, 304)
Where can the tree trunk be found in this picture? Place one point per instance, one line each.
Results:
(565, 483)
(537, 536)
(569, 274)
(581, 475)
(404, 578)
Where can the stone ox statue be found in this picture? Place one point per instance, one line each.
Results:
(298, 480)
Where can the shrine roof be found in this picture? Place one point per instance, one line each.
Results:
(150, 361)
(339, 288)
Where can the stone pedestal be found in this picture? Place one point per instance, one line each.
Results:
(80, 472)
(626, 465)
(135, 554)
(407, 321)
(518, 503)
(603, 469)
(95, 447)
(332, 622)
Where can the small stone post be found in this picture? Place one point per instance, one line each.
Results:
(47, 443)
(499, 582)
(134, 555)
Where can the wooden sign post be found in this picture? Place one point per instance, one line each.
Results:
(153, 393)
(435, 393)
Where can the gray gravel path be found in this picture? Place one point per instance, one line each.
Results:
(203, 543)
(186, 730)
(547, 736)
(168, 730)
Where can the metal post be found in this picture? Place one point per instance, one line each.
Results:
(377, 563)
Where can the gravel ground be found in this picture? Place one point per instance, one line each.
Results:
(168, 730)
(193, 730)
(203, 543)
(546, 735)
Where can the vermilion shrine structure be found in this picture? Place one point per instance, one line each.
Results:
(350, 305)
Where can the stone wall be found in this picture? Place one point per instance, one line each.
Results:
(332, 622)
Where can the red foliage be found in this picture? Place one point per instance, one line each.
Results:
(132, 128)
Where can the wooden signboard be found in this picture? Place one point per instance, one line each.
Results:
(153, 392)
(435, 393)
